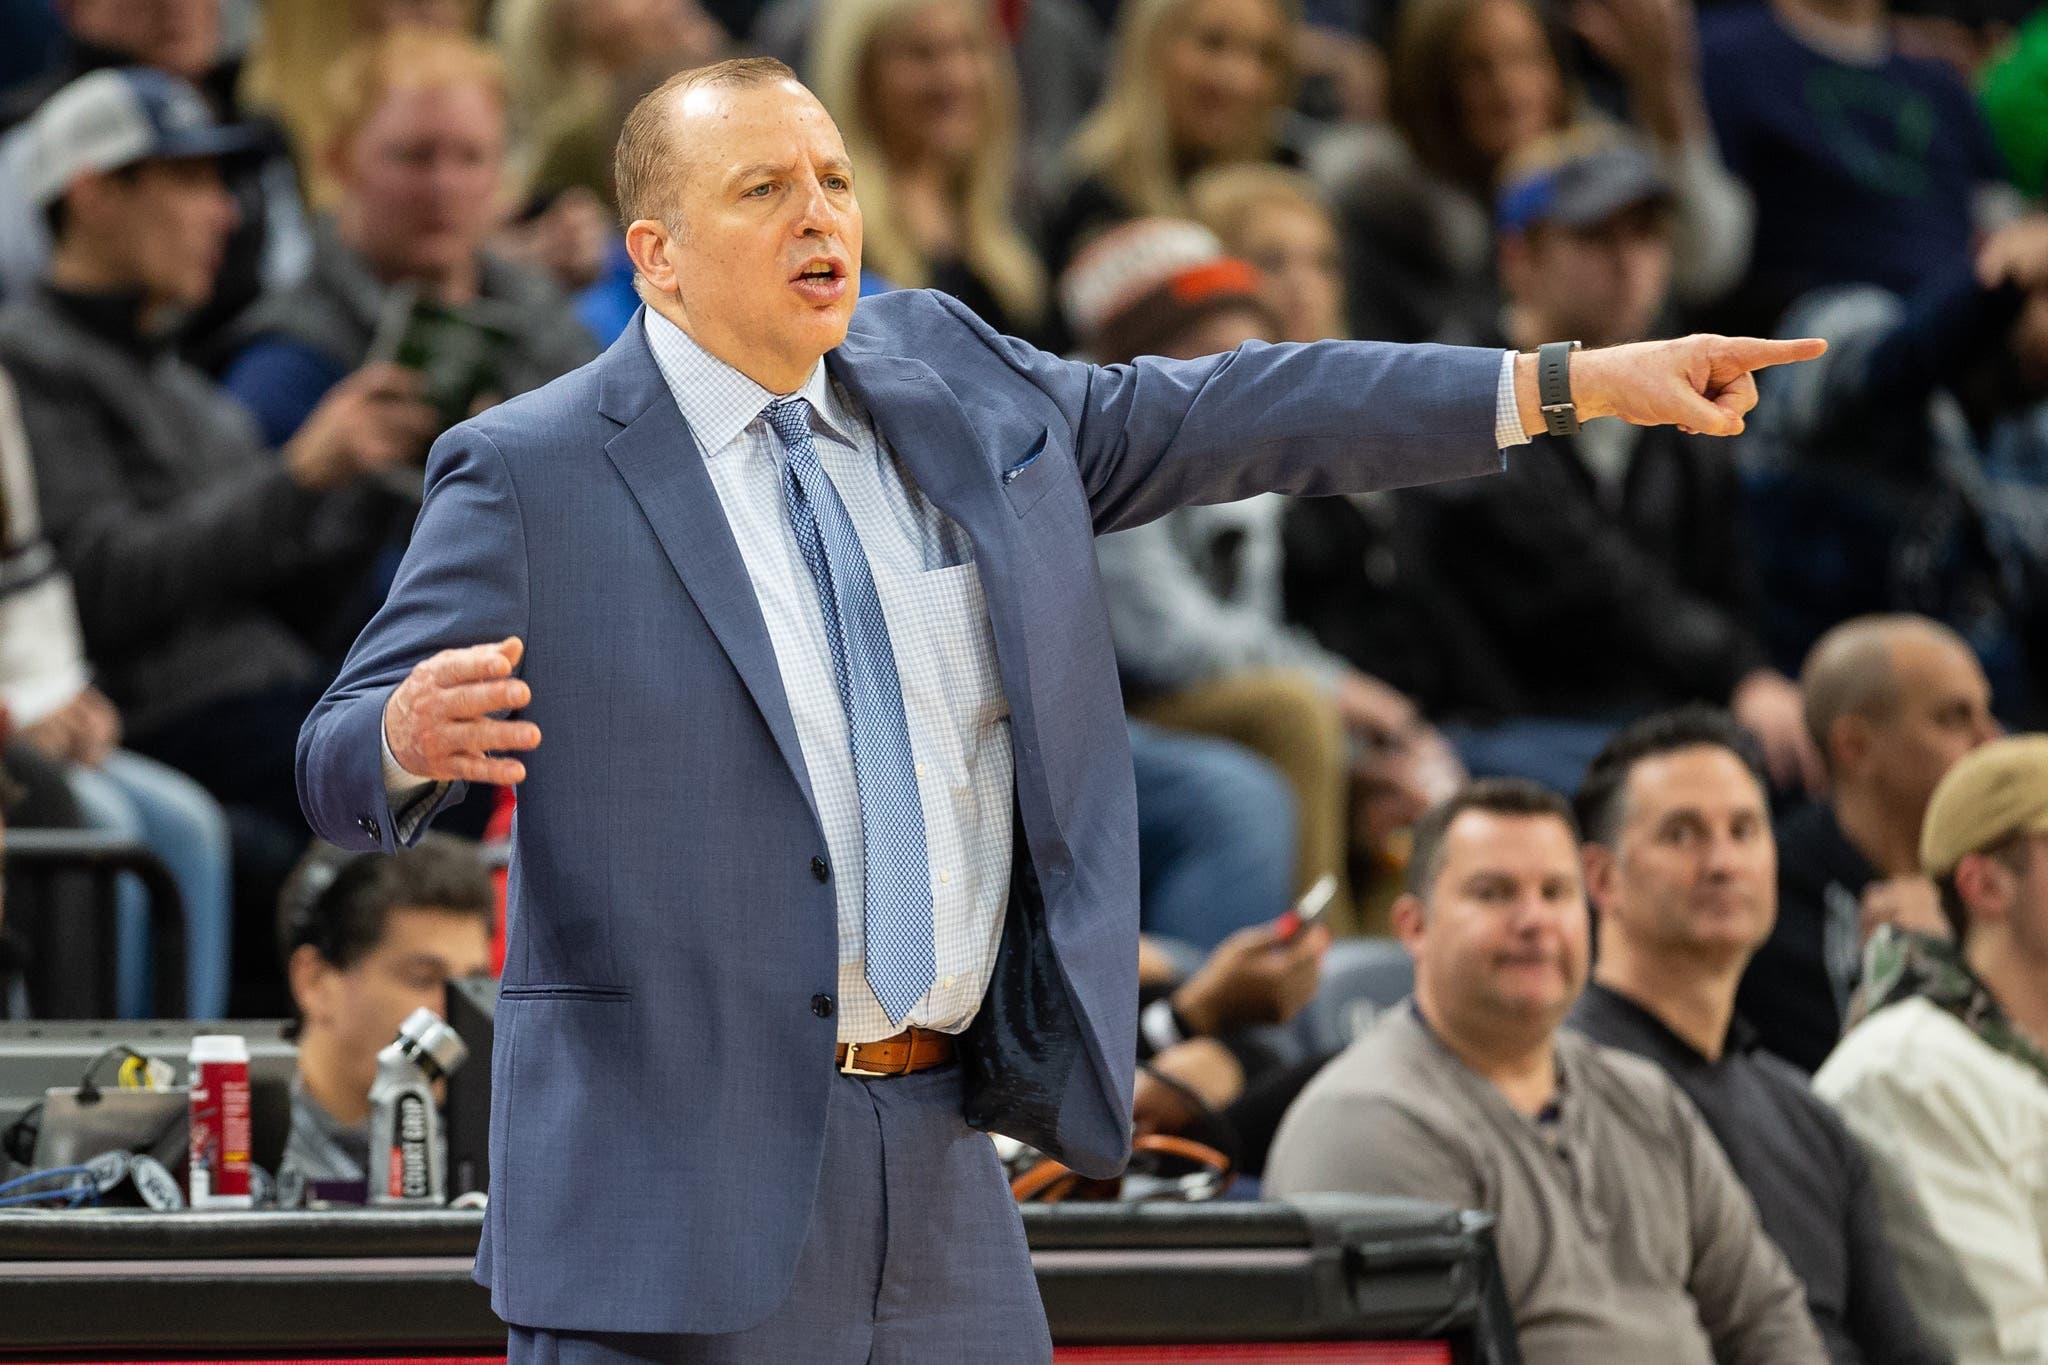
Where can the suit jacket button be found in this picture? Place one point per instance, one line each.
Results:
(821, 1005)
(819, 870)
(369, 827)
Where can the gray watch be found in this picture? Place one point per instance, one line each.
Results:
(1554, 387)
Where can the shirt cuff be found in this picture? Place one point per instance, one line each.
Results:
(1507, 413)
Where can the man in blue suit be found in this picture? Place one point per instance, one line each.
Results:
(828, 865)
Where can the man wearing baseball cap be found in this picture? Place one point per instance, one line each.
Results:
(183, 535)
(1655, 609)
(1945, 1078)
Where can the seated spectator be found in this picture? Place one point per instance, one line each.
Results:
(1892, 702)
(268, 245)
(1195, 84)
(418, 160)
(926, 100)
(1194, 597)
(1944, 1078)
(1212, 1036)
(57, 712)
(576, 68)
(1272, 218)
(204, 566)
(1867, 165)
(1623, 1234)
(1216, 837)
(1679, 867)
(294, 47)
(1903, 471)
(367, 939)
(577, 65)
(1473, 83)
(1607, 571)
(1056, 45)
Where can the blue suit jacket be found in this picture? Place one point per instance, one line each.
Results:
(660, 1073)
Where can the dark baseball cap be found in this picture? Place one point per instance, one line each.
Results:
(116, 117)
(1579, 182)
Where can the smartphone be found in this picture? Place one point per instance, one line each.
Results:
(1313, 905)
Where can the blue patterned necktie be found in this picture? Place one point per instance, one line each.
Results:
(901, 959)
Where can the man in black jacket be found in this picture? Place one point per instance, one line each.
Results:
(204, 565)
(1605, 574)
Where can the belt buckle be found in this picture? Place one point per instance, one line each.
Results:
(852, 1067)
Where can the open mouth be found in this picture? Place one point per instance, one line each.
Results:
(822, 281)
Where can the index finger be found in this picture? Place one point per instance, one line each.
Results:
(1756, 353)
(477, 663)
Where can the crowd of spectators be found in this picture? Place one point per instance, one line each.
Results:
(255, 255)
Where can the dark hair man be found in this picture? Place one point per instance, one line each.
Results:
(368, 938)
(1680, 868)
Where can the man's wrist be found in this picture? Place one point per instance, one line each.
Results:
(1588, 385)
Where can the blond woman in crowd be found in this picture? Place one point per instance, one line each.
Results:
(1197, 83)
(926, 99)
(295, 46)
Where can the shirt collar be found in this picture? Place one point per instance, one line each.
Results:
(1654, 1032)
(719, 402)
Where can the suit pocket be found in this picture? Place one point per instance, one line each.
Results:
(597, 993)
(1026, 480)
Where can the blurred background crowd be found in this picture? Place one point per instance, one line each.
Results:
(256, 254)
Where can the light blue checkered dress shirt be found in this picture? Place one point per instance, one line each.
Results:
(938, 623)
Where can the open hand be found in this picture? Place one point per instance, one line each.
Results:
(441, 721)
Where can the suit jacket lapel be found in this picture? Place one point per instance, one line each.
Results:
(659, 460)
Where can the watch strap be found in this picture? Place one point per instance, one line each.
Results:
(1554, 387)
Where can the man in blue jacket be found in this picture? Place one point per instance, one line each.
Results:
(829, 859)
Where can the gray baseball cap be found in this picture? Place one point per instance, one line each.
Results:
(1579, 183)
(116, 117)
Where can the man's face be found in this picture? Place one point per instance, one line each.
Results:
(421, 179)
(1693, 868)
(1503, 936)
(360, 1009)
(2028, 911)
(178, 36)
(1604, 284)
(166, 222)
(764, 255)
(1943, 712)
(1295, 248)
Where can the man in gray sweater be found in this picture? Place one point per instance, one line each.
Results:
(1623, 1233)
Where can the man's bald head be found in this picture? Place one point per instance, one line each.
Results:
(650, 163)
(1853, 670)
(1892, 702)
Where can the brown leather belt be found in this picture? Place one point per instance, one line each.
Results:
(914, 1049)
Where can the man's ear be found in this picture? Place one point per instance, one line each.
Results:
(1601, 868)
(647, 244)
(1986, 886)
(312, 980)
(1409, 918)
(1849, 742)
